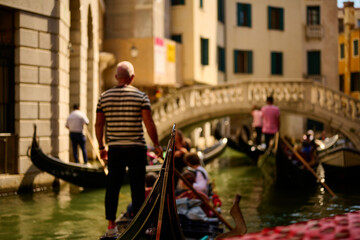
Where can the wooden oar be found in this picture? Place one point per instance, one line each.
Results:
(307, 166)
(106, 171)
(204, 200)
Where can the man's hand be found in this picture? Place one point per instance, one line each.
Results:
(104, 155)
(159, 151)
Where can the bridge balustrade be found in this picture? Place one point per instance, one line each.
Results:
(309, 99)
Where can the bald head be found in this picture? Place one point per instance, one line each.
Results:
(125, 72)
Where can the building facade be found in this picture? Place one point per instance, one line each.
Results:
(49, 60)
(348, 45)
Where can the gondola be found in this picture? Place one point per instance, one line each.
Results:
(75, 173)
(242, 144)
(281, 167)
(341, 164)
(212, 152)
(158, 217)
(90, 176)
(290, 170)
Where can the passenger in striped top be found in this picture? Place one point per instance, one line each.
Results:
(120, 112)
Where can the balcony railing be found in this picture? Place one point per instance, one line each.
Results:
(314, 31)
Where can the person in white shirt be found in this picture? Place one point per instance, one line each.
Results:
(75, 123)
(201, 176)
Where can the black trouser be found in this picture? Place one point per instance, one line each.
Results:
(135, 159)
(258, 135)
(268, 137)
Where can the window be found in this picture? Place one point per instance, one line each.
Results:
(355, 82)
(342, 51)
(356, 47)
(221, 59)
(177, 2)
(204, 51)
(314, 63)
(221, 11)
(313, 15)
(177, 38)
(341, 83)
(358, 22)
(243, 61)
(244, 15)
(276, 63)
(201, 4)
(276, 18)
(341, 25)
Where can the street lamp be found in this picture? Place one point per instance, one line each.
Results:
(134, 51)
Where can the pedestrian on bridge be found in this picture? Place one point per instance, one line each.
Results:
(271, 120)
(257, 123)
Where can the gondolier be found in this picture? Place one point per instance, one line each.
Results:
(123, 108)
(75, 123)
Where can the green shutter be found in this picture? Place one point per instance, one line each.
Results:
(281, 18)
(273, 63)
(269, 16)
(236, 70)
(248, 14)
(239, 10)
(250, 62)
(356, 47)
(204, 51)
(280, 63)
(221, 60)
(221, 11)
(314, 63)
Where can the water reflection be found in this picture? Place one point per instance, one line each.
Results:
(74, 213)
(265, 205)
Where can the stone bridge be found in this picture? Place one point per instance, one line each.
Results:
(301, 97)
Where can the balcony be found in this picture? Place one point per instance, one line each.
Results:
(314, 31)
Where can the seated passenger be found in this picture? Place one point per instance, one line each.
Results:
(185, 192)
(201, 176)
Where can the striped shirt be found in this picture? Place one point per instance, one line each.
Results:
(122, 108)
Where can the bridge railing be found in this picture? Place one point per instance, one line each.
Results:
(295, 95)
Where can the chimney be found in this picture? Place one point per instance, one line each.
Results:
(349, 14)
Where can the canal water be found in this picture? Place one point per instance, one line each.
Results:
(74, 213)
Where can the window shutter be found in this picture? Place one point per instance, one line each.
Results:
(273, 63)
(250, 59)
(269, 17)
(281, 18)
(239, 11)
(248, 14)
(204, 51)
(236, 70)
(280, 63)
(314, 63)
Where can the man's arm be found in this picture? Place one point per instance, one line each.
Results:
(151, 130)
(99, 132)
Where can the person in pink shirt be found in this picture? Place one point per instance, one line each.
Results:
(271, 120)
(257, 123)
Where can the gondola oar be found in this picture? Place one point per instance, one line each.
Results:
(204, 200)
(307, 166)
(106, 171)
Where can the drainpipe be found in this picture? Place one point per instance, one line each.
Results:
(349, 20)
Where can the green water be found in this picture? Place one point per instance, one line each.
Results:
(72, 213)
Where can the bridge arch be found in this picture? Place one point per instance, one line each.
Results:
(300, 97)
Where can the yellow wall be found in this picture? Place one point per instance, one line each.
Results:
(341, 61)
(355, 60)
(146, 72)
